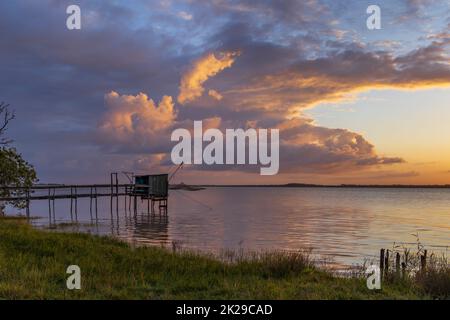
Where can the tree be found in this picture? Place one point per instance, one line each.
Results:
(14, 170)
(6, 116)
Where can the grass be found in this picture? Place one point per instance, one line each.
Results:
(33, 265)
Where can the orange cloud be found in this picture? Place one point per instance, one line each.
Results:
(208, 66)
(307, 83)
(216, 95)
(306, 147)
(135, 120)
(277, 99)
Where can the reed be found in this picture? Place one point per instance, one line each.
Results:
(33, 265)
(421, 268)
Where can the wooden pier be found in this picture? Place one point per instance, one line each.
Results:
(154, 191)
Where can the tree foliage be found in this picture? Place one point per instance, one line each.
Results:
(14, 170)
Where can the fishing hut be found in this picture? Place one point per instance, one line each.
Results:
(154, 189)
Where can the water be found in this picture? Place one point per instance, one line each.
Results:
(347, 224)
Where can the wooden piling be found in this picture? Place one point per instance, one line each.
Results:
(125, 204)
(96, 206)
(71, 204)
(386, 262)
(117, 192)
(76, 204)
(382, 261)
(397, 264)
(54, 211)
(423, 261)
(49, 208)
(90, 204)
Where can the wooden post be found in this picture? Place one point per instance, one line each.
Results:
(90, 204)
(423, 261)
(386, 261)
(125, 200)
(117, 192)
(111, 183)
(96, 206)
(111, 191)
(71, 204)
(54, 211)
(76, 204)
(49, 208)
(117, 184)
(382, 261)
(397, 265)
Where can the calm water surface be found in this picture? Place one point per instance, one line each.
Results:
(348, 224)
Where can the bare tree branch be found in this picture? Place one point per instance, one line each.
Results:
(6, 117)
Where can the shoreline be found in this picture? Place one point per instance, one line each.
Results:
(34, 264)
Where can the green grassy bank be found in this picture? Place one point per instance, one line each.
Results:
(33, 266)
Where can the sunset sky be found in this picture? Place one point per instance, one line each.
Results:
(352, 105)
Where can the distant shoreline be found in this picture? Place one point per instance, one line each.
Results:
(305, 185)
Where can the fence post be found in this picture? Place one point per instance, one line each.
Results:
(382, 261)
(397, 265)
(423, 260)
(386, 261)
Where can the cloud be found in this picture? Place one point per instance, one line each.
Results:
(136, 122)
(415, 9)
(191, 86)
(408, 174)
(216, 95)
(280, 96)
(306, 147)
(290, 61)
(184, 15)
(305, 83)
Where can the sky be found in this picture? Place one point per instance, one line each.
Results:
(352, 105)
